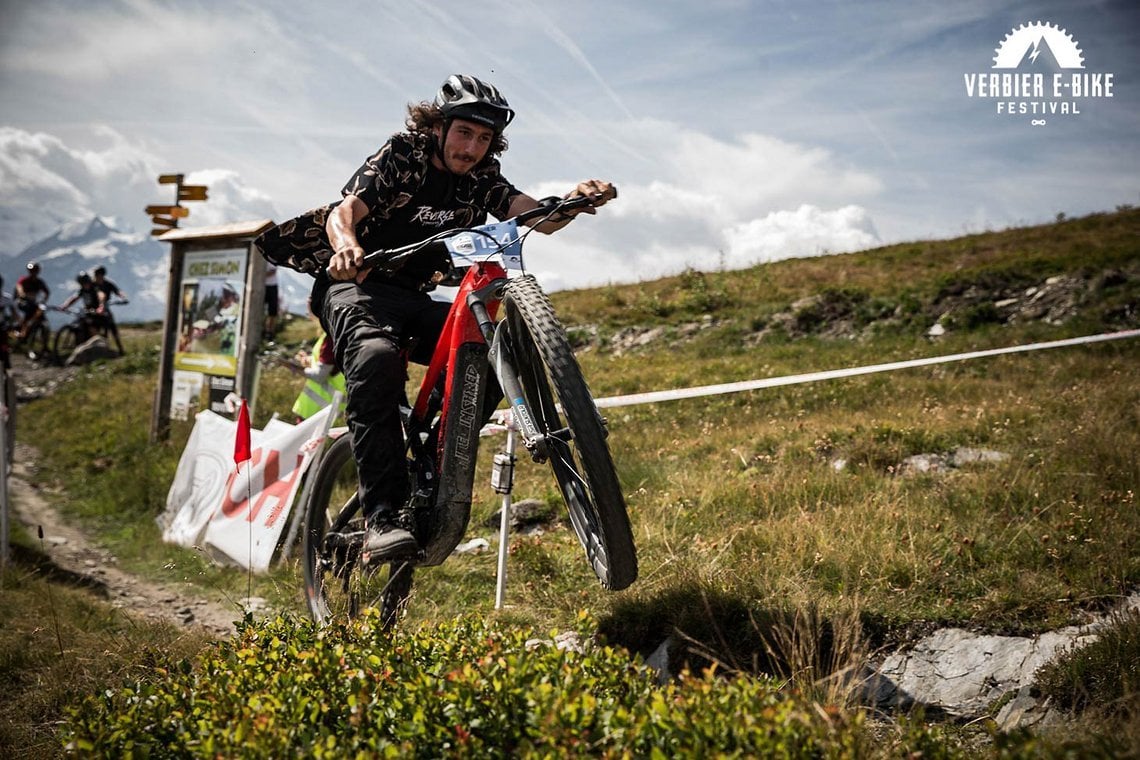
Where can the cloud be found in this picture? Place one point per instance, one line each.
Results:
(717, 204)
(230, 200)
(712, 203)
(46, 184)
(807, 231)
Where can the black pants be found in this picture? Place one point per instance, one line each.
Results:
(369, 324)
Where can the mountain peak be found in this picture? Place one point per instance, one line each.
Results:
(99, 226)
(85, 229)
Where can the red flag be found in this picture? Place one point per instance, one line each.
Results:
(241, 440)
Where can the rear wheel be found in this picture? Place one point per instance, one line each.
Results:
(65, 342)
(337, 585)
(574, 435)
(39, 337)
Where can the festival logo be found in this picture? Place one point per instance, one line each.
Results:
(1038, 73)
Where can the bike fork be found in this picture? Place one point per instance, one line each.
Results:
(503, 365)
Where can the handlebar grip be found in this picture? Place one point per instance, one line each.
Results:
(376, 258)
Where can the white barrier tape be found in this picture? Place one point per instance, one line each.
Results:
(812, 377)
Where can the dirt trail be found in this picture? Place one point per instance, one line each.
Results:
(94, 567)
(73, 552)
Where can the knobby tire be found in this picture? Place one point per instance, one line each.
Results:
(337, 585)
(65, 342)
(38, 341)
(583, 467)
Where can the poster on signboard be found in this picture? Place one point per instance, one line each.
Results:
(187, 391)
(209, 321)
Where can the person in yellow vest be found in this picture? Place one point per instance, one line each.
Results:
(322, 379)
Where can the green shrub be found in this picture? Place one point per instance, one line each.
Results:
(462, 688)
(1105, 673)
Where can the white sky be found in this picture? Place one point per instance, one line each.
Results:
(736, 131)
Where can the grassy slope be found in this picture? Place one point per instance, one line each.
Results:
(738, 512)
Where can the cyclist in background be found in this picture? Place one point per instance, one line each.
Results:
(91, 296)
(443, 173)
(108, 289)
(31, 295)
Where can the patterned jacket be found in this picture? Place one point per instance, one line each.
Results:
(386, 183)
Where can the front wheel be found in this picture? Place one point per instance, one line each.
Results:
(65, 342)
(337, 585)
(573, 434)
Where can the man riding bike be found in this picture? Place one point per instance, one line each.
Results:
(91, 296)
(109, 289)
(31, 295)
(441, 174)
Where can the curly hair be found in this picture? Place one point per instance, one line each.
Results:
(422, 118)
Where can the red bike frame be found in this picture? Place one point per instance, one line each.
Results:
(460, 328)
(461, 353)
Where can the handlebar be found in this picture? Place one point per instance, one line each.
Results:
(549, 208)
(84, 310)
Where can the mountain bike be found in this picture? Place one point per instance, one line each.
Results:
(85, 324)
(528, 354)
(35, 343)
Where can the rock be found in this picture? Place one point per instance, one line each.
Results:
(92, 350)
(922, 463)
(964, 455)
(474, 546)
(524, 512)
(1025, 710)
(658, 661)
(959, 457)
(963, 673)
(936, 330)
(569, 641)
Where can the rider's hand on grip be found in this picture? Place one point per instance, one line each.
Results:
(599, 191)
(347, 264)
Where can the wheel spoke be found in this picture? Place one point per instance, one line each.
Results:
(337, 584)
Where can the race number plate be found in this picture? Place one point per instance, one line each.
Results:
(501, 238)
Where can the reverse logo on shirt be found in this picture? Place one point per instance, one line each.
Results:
(430, 217)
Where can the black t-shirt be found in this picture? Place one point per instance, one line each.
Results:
(109, 288)
(409, 200)
(430, 211)
(89, 296)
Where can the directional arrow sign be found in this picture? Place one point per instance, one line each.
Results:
(163, 221)
(170, 179)
(179, 212)
(192, 193)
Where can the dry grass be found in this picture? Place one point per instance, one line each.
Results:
(753, 543)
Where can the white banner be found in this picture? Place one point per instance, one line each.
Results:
(238, 513)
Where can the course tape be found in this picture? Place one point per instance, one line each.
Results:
(833, 374)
